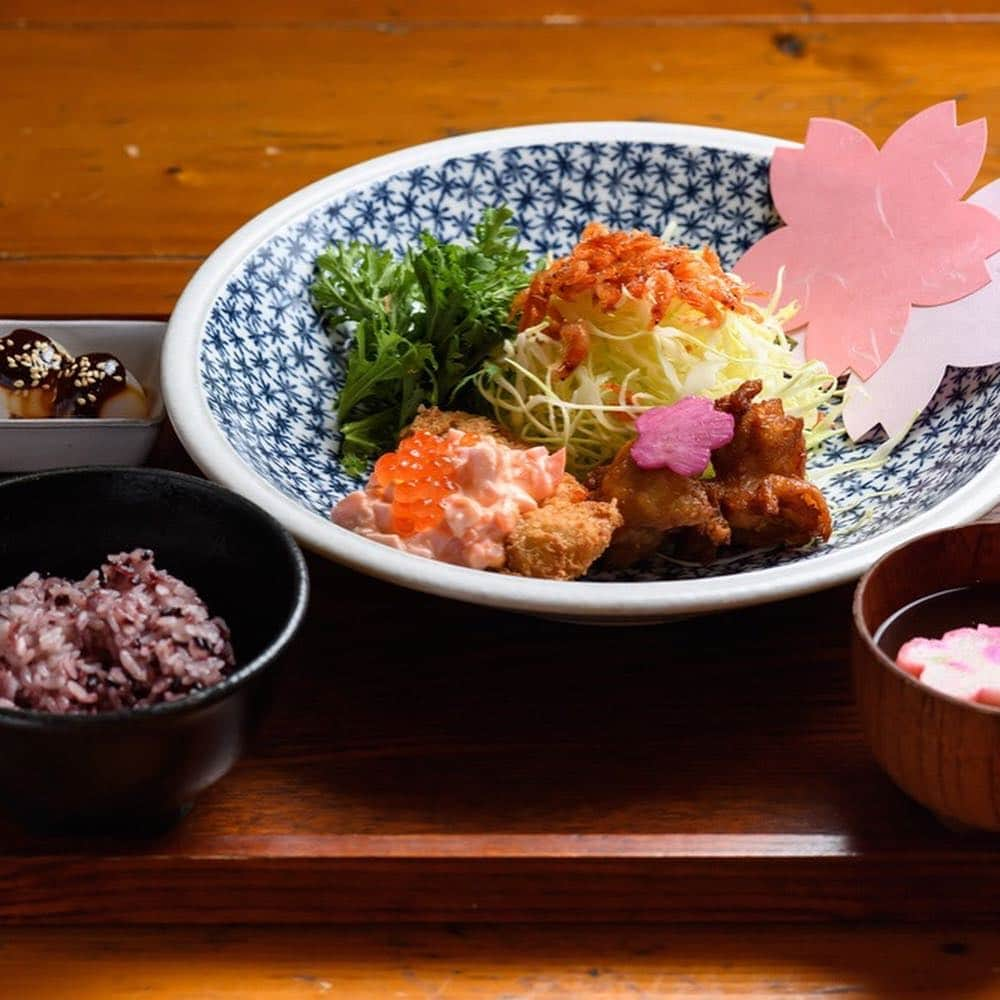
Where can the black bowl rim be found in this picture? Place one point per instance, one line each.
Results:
(29, 717)
(868, 637)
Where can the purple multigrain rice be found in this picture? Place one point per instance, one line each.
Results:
(127, 635)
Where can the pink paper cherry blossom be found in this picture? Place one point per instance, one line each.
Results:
(964, 333)
(871, 232)
(681, 437)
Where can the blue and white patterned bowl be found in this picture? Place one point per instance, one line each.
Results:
(250, 377)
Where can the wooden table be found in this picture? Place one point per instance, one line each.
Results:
(696, 778)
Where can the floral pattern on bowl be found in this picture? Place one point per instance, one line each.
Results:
(271, 374)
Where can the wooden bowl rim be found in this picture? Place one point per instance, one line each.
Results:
(862, 631)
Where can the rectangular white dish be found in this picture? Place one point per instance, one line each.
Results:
(53, 443)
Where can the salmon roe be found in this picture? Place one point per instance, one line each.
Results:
(421, 473)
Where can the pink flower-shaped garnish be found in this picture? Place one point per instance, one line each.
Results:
(964, 663)
(681, 437)
(871, 232)
(965, 334)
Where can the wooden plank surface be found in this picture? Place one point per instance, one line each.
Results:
(142, 159)
(136, 137)
(514, 963)
(96, 286)
(122, 169)
(415, 13)
(512, 768)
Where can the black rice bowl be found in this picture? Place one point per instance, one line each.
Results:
(128, 635)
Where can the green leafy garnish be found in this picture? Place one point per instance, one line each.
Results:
(422, 325)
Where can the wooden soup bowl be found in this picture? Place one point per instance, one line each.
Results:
(942, 751)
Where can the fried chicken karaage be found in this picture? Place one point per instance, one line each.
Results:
(759, 496)
(760, 483)
(655, 503)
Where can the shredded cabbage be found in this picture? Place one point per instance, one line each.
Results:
(633, 365)
(876, 460)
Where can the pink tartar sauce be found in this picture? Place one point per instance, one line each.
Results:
(495, 485)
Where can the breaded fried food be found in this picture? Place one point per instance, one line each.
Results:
(431, 420)
(654, 503)
(760, 483)
(564, 537)
(570, 490)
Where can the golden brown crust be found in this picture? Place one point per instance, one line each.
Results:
(765, 440)
(741, 399)
(569, 490)
(562, 539)
(773, 510)
(431, 420)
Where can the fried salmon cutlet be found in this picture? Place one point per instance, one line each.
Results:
(560, 540)
(431, 420)
(564, 537)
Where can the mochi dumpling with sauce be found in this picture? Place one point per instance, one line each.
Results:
(29, 366)
(99, 385)
(39, 378)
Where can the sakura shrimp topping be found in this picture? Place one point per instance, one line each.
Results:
(576, 346)
(610, 264)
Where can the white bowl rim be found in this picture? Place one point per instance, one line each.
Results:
(608, 601)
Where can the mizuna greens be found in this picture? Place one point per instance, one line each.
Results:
(423, 325)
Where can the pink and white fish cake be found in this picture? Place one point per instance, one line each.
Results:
(964, 663)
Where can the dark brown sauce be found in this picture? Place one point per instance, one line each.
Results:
(935, 614)
(29, 360)
(86, 383)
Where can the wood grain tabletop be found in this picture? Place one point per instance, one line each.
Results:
(136, 137)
